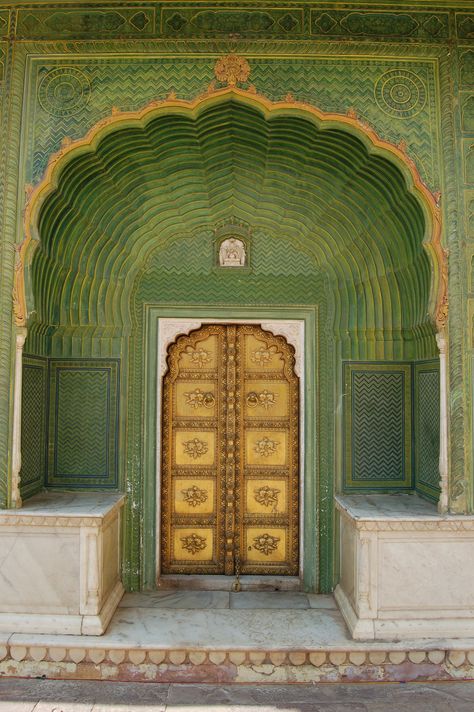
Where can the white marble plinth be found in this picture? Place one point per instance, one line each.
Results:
(60, 563)
(405, 570)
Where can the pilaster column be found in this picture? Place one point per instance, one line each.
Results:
(16, 447)
(443, 504)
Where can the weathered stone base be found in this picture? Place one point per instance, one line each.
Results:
(219, 666)
(60, 571)
(405, 571)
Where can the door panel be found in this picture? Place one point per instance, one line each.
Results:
(230, 454)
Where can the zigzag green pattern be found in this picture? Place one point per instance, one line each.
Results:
(332, 85)
(33, 426)
(81, 444)
(378, 421)
(427, 427)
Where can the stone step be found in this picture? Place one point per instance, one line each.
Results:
(184, 637)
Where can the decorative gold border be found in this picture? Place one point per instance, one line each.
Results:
(430, 203)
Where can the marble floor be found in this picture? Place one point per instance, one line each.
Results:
(226, 637)
(219, 620)
(215, 620)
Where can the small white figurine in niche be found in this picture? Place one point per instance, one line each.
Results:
(232, 253)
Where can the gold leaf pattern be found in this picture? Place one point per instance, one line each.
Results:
(193, 543)
(268, 496)
(266, 447)
(263, 356)
(199, 399)
(266, 543)
(195, 448)
(199, 356)
(194, 495)
(264, 398)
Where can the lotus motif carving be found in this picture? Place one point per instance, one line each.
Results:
(266, 447)
(268, 496)
(266, 543)
(193, 543)
(194, 496)
(195, 448)
(199, 356)
(264, 355)
(199, 399)
(264, 398)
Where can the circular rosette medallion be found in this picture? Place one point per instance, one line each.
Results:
(64, 91)
(400, 93)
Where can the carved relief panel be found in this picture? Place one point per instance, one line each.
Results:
(230, 454)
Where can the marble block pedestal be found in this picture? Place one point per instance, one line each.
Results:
(60, 563)
(405, 571)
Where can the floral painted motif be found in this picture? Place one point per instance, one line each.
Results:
(193, 543)
(199, 356)
(194, 496)
(264, 355)
(199, 399)
(266, 447)
(264, 398)
(195, 448)
(266, 543)
(268, 496)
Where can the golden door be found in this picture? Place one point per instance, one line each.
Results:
(230, 454)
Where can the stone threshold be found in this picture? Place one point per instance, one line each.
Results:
(185, 637)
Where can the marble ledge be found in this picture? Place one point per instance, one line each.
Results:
(391, 511)
(64, 509)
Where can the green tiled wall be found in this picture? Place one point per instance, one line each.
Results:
(83, 424)
(33, 424)
(426, 425)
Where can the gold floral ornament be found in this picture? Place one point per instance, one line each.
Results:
(266, 447)
(268, 496)
(264, 398)
(193, 543)
(199, 399)
(195, 448)
(199, 356)
(194, 496)
(232, 70)
(264, 355)
(266, 543)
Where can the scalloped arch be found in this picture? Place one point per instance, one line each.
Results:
(140, 178)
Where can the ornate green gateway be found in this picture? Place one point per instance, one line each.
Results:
(329, 143)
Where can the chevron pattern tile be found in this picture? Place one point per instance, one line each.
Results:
(427, 428)
(33, 425)
(332, 85)
(378, 426)
(83, 427)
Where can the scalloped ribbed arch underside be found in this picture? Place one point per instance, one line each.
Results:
(318, 187)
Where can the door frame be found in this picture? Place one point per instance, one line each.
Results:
(162, 325)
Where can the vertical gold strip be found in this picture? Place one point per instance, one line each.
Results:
(229, 439)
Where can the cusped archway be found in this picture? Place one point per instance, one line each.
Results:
(127, 217)
(325, 182)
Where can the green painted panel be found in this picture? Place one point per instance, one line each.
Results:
(426, 424)
(33, 424)
(207, 22)
(396, 97)
(77, 23)
(83, 421)
(378, 426)
(380, 25)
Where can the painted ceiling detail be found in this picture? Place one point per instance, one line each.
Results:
(327, 182)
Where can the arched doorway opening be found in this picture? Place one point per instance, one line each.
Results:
(337, 223)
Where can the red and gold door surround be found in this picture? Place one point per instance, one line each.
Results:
(230, 454)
